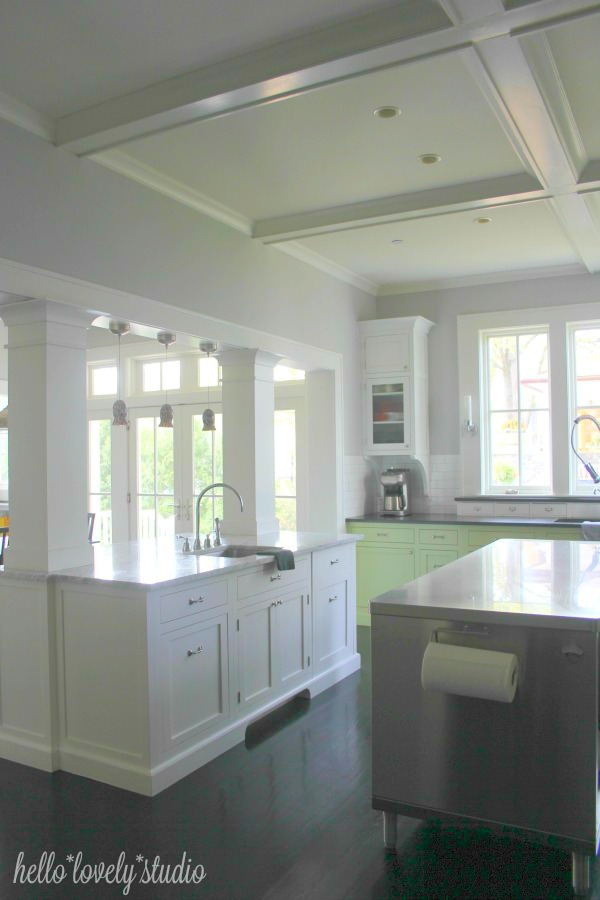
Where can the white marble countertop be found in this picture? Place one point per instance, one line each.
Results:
(161, 563)
(552, 584)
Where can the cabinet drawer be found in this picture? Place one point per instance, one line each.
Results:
(481, 538)
(430, 560)
(438, 537)
(477, 508)
(388, 534)
(511, 509)
(548, 510)
(198, 597)
(563, 534)
(268, 578)
(333, 565)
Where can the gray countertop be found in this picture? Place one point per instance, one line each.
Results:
(451, 519)
(160, 562)
(554, 584)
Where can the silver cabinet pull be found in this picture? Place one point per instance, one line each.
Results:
(194, 652)
(277, 603)
(438, 537)
(200, 599)
(382, 534)
(333, 562)
(331, 599)
(276, 577)
(549, 508)
(512, 508)
(476, 508)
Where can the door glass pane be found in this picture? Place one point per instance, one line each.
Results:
(207, 469)
(388, 413)
(100, 479)
(285, 468)
(502, 356)
(156, 479)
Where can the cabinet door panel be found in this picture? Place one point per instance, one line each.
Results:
(385, 353)
(332, 632)
(430, 560)
(195, 681)
(382, 569)
(292, 637)
(255, 648)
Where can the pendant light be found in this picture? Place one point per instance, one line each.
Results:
(119, 406)
(208, 416)
(166, 411)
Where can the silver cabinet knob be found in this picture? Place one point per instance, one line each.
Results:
(200, 599)
(194, 652)
(276, 577)
(334, 562)
(331, 599)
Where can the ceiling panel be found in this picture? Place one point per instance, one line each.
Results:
(326, 148)
(575, 48)
(520, 236)
(60, 56)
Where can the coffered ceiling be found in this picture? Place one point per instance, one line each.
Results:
(261, 114)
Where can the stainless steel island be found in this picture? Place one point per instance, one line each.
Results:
(530, 763)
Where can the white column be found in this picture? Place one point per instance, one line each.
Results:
(248, 441)
(47, 435)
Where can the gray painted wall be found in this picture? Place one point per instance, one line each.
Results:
(74, 217)
(444, 306)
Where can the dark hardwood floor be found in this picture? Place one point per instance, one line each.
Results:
(287, 815)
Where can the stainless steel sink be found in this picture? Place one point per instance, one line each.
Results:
(237, 551)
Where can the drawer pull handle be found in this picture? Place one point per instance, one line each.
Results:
(549, 508)
(438, 537)
(276, 577)
(476, 508)
(331, 599)
(194, 652)
(382, 534)
(334, 562)
(277, 603)
(512, 508)
(437, 565)
(200, 599)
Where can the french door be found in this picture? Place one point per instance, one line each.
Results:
(168, 469)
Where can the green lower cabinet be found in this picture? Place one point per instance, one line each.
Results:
(380, 569)
(430, 560)
(392, 554)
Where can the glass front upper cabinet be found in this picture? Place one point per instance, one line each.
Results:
(388, 414)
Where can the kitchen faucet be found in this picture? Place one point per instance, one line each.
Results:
(586, 465)
(220, 484)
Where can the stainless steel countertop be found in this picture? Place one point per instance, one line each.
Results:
(452, 519)
(553, 584)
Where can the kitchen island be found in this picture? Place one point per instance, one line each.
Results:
(529, 763)
(140, 668)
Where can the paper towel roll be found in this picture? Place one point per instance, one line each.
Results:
(470, 672)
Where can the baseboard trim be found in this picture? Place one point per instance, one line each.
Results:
(28, 753)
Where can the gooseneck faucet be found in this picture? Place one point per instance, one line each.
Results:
(220, 484)
(586, 465)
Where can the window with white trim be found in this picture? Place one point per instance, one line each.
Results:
(103, 380)
(584, 352)
(516, 407)
(163, 375)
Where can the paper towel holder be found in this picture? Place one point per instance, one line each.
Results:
(466, 630)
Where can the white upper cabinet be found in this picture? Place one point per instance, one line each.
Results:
(396, 387)
(387, 353)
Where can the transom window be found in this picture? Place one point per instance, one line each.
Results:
(162, 375)
(103, 381)
(285, 373)
(517, 412)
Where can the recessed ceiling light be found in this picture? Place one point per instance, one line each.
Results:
(429, 159)
(482, 220)
(397, 241)
(386, 112)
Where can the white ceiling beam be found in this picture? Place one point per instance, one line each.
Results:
(418, 205)
(403, 33)
(12, 110)
(581, 227)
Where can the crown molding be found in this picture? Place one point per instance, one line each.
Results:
(390, 290)
(12, 110)
(330, 268)
(120, 162)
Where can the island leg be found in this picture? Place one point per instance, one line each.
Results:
(390, 821)
(581, 874)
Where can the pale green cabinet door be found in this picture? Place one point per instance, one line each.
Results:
(382, 569)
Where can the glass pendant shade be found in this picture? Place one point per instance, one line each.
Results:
(208, 420)
(120, 413)
(166, 416)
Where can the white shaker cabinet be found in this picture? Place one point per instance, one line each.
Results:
(256, 678)
(396, 386)
(195, 679)
(334, 583)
